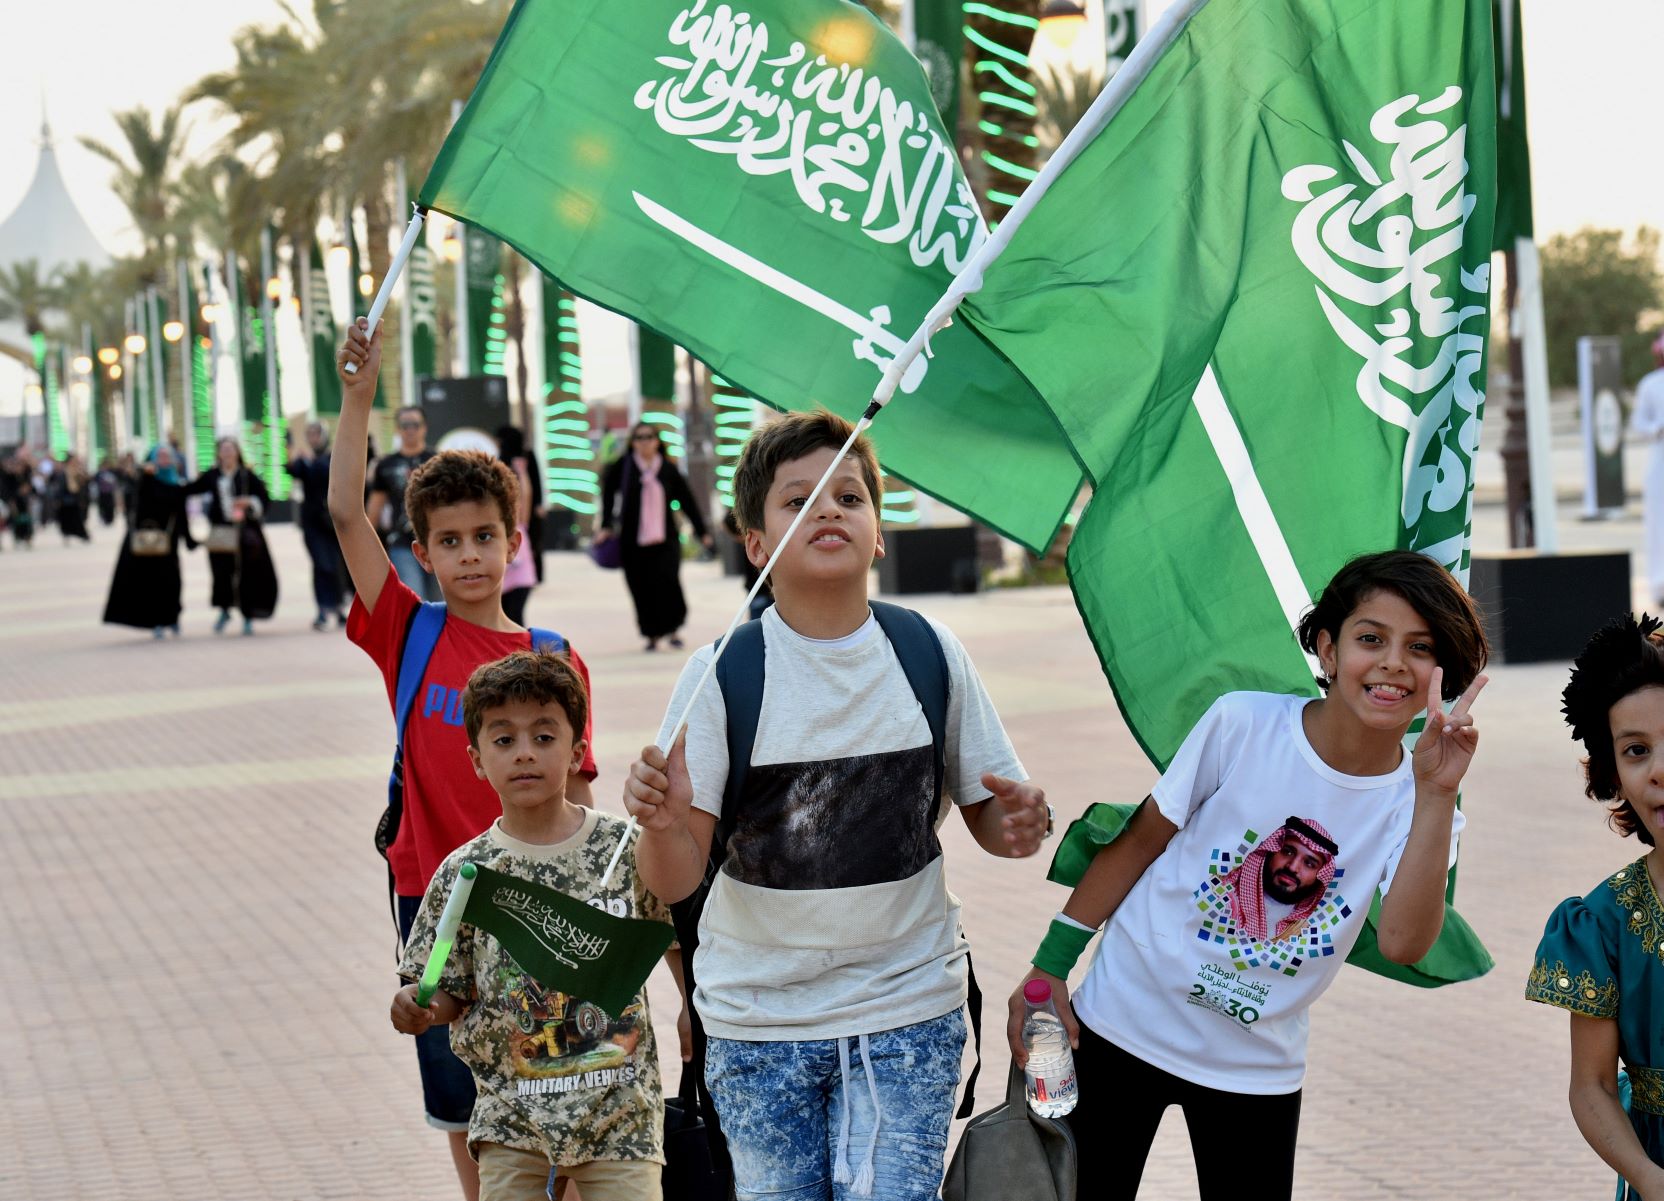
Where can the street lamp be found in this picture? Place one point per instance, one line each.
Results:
(134, 343)
(1061, 22)
(82, 364)
(451, 246)
(210, 313)
(173, 330)
(115, 370)
(108, 355)
(274, 287)
(366, 284)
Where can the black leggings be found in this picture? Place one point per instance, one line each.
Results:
(1243, 1143)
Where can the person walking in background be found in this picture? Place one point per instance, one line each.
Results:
(71, 486)
(637, 492)
(1646, 424)
(244, 577)
(145, 589)
(386, 503)
(310, 465)
(526, 570)
(106, 485)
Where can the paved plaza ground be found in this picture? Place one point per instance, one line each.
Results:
(198, 956)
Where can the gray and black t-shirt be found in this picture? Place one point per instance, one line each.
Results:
(831, 916)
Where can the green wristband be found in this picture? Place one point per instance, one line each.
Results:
(1060, 948)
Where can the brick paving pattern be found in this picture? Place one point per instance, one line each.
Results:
(199, 959)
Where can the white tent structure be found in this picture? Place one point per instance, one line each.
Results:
(47, 228)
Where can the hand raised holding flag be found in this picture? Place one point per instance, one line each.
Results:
(1445, 749)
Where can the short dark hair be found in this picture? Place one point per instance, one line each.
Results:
(1459, 643)
(792, 437)
(416, 409)
(541, 677)
(1622, 657)
(453, 477)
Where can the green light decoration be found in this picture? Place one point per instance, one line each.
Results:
(202, 383)
(736, 413)
(496, 331)
(899, 507)
(997, 41)
(444, 937)
(670, 430)
(569, 478)
(57, 436)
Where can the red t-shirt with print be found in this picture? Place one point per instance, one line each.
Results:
(445, 803)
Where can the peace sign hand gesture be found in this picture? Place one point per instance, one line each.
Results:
(1445, 749)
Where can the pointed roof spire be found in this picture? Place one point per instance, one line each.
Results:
(46, 226)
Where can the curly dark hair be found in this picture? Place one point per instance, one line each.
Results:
(1459, 642)
(542, 677)
(792, 437)
(1623, 657)
(453, 477)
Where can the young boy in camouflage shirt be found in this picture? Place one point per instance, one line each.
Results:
(559, 1080)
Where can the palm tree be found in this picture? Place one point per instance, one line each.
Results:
(27, 295)
(147, 168)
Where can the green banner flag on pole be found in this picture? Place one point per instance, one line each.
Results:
(485, 302)
(1513, 146)
(1322, 239)
(564, 944)
(323, 334)
(938, 43)
(251, 343)
(421, 312)
(1121, 33)
(769, 186)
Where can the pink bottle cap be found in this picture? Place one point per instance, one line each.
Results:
(1037, 992)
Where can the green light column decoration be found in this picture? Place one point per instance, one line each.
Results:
(656, 378)
(271, 447)
(998, 35)
(569, 477)
(485, 302)
(736, 413)
(98, 424)
(204, 403)
(322, 334)
(51, 388)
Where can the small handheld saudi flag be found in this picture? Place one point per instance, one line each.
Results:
(562, 943)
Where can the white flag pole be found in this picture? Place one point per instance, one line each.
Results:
(394, 269)
(1529, 326)
(1108, 103)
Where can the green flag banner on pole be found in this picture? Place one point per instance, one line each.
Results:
(1121, 33)
(322, 332)
(769, 186)
(564, 944)
(485, 299)
(421, 312)
(1513, 147)
(1322, 239)
(251, 344)
(938, 43)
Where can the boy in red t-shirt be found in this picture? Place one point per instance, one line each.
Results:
(461, 506)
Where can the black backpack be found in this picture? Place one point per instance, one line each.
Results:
(740, 673)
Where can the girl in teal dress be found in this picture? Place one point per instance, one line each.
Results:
(1602, 955)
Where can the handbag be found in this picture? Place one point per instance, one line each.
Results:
(223, 539)
(608, 553)
(689, 1172)
(149, 542)
(1011, 1152)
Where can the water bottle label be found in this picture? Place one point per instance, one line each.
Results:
(1056, 1089)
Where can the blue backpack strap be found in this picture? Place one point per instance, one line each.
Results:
(739, 673)
(920, 653)
(426, 624)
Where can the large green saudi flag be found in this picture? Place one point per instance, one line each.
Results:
(1299, 197)
(768, 185)
(1513, 147)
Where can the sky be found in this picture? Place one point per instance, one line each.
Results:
(1594, 101)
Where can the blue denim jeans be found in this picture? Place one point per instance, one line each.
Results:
(783, 1109)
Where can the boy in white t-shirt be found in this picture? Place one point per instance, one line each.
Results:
(831, 969)
(1234, 894)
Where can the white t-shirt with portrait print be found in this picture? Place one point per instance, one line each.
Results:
(1173, 981)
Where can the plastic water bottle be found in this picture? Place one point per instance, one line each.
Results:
(1050, 1073)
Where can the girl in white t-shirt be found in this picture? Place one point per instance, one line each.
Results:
(1238, 887)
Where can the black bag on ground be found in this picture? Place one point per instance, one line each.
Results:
(1012, 1152)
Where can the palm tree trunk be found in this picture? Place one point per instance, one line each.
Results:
(1004, 137)
(377, 220)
